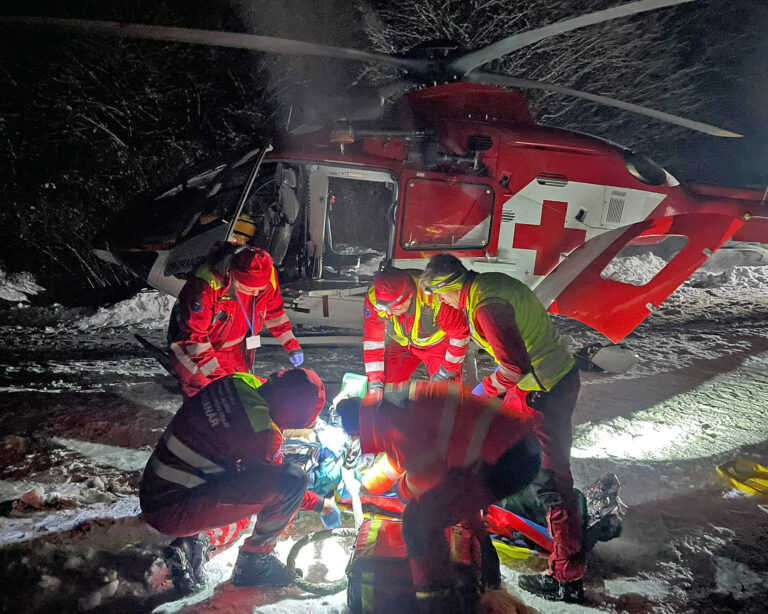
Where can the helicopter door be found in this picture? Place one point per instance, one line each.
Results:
(580, 287)
(214, 221)
(350, 220)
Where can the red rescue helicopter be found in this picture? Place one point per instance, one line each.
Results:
(458, 166)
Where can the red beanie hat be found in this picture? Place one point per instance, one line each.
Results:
(252, 267)
(295, 397)
(393, 287)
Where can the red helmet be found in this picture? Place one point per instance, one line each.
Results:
(295, 397)
(392, 287)
(252, 267)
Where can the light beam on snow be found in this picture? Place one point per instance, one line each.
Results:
(126, 459)
(723, 414)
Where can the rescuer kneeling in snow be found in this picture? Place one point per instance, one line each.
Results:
(219, 461)
(535, 369)
(455, 453)
(221, 311)
(404, 327)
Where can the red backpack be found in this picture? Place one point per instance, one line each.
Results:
(380, 576)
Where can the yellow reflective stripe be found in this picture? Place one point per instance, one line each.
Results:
(482, 424)
(373, 535)
(177, 476)
(210, 366)
(273, 278)
(253, 403)
(366, 592)
(204, 272)
(189, 456)
(193, 349)
(184, 359)
(447, 418)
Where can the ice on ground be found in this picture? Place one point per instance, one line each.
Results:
(17, 288)
(737, 579)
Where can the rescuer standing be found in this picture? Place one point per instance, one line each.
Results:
(222, 309)
(534, 367)
(452, 454)
(219, 461)
(404, 327)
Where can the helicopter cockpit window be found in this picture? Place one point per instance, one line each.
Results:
(439, 214)
(220, 197)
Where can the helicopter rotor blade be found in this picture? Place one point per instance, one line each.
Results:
(393, 88)
(495, 79)
(474, 59)
(215, 38)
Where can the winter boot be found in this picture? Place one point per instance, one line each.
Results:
(547, 587)
(260, 569)
(490, 568)
(185, 558)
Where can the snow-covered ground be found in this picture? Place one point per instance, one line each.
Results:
(81, 406)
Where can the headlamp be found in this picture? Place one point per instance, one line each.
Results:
(447, 283)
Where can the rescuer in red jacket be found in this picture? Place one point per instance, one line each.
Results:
(534, 368)
(220, 461)
(231, 297)
(456, 453)
(403, 327)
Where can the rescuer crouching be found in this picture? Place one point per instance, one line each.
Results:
(451, 455)
(403, 327)
(220, 461)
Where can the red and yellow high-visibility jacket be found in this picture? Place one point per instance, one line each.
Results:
(423, 325)
(224, 428)
(213, 326)
(427, 429)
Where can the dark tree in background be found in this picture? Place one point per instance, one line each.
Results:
(86, 123)
(707, 60)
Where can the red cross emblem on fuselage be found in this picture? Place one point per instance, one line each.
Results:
(550, 238)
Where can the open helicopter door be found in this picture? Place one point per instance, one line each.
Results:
(580, 289)
(349, 232)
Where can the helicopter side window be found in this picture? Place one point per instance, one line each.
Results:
(439, 214)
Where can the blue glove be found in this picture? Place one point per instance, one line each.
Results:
(296, 359)
(332, 520)
(478, 390)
